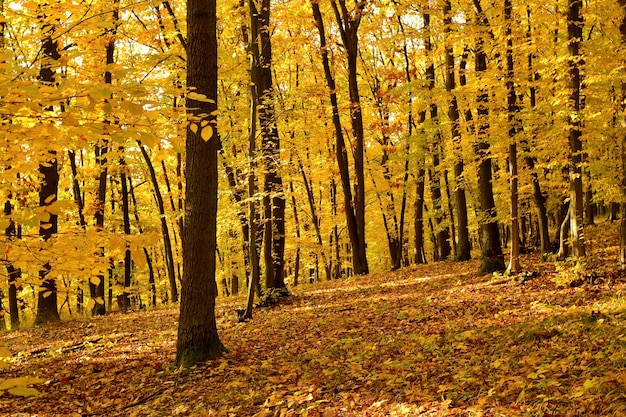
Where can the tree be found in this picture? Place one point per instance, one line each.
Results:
(273, 198)
(491, 250)
(575, 35)
(354, 207)
(463, 243)
(512, 109)
(622, 107)
(198, 339)
(47, 308)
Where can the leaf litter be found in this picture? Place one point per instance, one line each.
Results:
(430, 340)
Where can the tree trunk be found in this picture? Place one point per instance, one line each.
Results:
(273, 199)
(492, 257)
(254, 279)
(575, 34)
(354, 208)
(512, 119)
(622, 107)
(418, 218)
(434, 174)
(197, 329)
(47, 308)
(126, 221)
(463, 247)
(13, 273)
(167, 242)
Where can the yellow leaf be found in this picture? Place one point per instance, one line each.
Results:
(50, 199)
(193, 127)
(24, 391)
(46, 294)
(135, 109)
(94, 280)
(5, 353)
(199, 97)
(207, 133)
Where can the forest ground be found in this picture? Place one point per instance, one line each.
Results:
(432, 340)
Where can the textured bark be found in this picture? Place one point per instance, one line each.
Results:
(198, 340)
(575, 33)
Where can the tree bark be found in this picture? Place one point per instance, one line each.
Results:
(443, 248)
(47, 308)
(512, 119)
(622, 107)
(463, 247)
(167, 242)
(492, 257)
(354, 207)
(198, 339)
(273, 199)
(575, 34)
(10, 232)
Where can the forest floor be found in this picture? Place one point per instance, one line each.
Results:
(432, 340)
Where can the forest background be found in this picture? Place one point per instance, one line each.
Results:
(352, 138)
(435, 103)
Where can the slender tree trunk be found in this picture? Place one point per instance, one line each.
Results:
(512, 119)
(167, 242)
(10, 232)
(418, 218)
(315, 219)
(463, 247)
(296, 220)
(434, 174)
(622, 107)
(354, 207)
(539, 198)
(273, 199)
(197, 329)
(47, 308)
(492, 257)
(255, 272)
(575, 34)
(174, 226)
(126, 221)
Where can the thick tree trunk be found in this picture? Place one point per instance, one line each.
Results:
(197, 329)
(575, 34)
